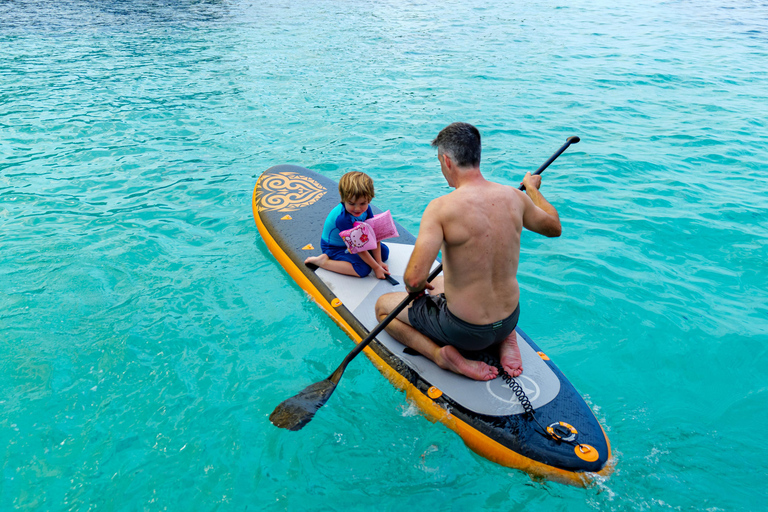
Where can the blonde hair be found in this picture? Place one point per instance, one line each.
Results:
(356, 184)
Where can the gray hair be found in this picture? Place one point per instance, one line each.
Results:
(461, 141)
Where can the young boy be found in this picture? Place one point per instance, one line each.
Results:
(356, 190)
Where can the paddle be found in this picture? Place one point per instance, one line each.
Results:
(570, 140)
(297, 411)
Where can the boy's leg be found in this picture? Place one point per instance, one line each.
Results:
(340, 267)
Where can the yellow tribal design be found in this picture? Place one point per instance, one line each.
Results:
(286, 192)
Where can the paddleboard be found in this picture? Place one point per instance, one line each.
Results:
(560, 440)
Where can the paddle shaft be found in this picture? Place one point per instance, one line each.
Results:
(297, 411)
(383, 324)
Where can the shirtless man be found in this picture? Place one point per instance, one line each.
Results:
(477, 226)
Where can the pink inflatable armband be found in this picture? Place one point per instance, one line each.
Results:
(359, 238)
(383, 226)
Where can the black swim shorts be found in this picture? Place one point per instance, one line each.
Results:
(429, 315)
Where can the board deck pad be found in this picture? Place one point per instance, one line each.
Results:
(290, 206)
(493, 397)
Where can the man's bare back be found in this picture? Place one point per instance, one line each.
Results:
(481, 224)
(477, 227)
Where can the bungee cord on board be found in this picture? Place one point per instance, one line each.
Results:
(530, 412)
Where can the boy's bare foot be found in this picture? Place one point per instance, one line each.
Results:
(317, 260)
(449, 358)
(510, 356)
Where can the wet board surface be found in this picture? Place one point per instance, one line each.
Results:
(290, 205)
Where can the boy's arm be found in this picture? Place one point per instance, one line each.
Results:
(377, 253)
(377, 256)
(331, 225)
(368, 259)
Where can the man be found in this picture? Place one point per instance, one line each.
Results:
(475, 304)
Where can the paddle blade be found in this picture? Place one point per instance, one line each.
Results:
(298, 410)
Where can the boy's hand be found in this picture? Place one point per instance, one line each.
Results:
(380, 272)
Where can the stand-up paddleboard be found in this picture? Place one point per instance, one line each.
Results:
(560, 440)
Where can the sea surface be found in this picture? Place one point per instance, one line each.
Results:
(146, 332)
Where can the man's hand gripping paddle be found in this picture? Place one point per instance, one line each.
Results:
(299, 410)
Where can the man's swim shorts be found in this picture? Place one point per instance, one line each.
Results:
(429, 315)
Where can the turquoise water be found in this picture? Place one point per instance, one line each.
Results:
(146, 332)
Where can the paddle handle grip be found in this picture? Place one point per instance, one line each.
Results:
(570, 140)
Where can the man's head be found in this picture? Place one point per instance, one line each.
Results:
(461, 142)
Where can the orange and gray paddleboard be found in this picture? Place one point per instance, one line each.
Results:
(537, 422)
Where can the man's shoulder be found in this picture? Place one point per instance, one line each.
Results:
(509, 192)
(509, 189)
(488, 189)
(441, 204)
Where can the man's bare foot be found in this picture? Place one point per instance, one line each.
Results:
(449, 358)
(510, 356)
(317, 260)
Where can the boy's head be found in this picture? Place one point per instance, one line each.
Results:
(356, 185)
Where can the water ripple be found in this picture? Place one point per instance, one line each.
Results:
(146, 332)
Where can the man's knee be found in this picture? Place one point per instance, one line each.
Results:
(386, 303)
(381, 306)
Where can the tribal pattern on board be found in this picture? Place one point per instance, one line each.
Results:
(287, 192)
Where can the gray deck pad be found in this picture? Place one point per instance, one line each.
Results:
(493, 398)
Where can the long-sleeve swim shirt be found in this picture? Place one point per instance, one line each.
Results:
(340, 220)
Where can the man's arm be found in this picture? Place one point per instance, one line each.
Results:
(428, 245)
(539, 216)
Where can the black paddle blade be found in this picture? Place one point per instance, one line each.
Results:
(298, 410)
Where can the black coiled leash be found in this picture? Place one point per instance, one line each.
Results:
(530, 412)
